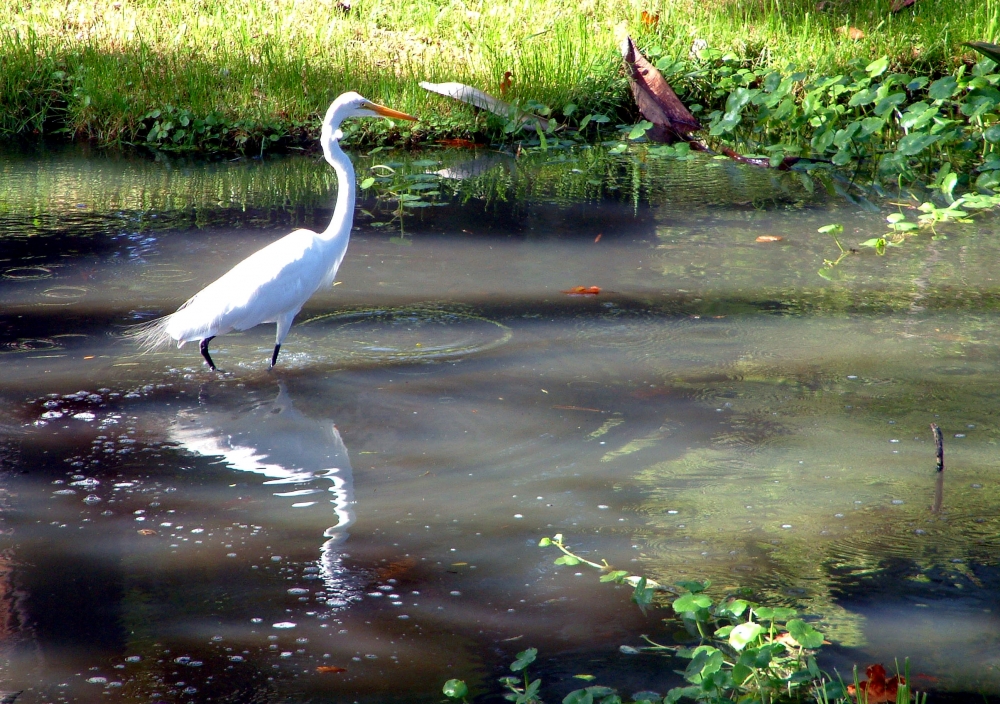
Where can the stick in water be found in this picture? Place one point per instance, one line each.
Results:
(939, 443)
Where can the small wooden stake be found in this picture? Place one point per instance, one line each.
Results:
(939, 443)
(938, 493)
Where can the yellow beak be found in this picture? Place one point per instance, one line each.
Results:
(389, 112)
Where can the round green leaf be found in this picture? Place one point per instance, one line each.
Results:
(744, 634)
(877, 68)
(915, 143)
(943, 88)
(524, 658)
(804, 634)
(691, 602)
(992, 134)
(455, 689)
(579, 696)
(695, 587)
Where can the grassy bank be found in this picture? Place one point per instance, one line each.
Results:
(254, 74)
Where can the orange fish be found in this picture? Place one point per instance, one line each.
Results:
(583, 291)
(458, 143)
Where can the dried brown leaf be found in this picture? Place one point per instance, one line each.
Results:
(656, 100)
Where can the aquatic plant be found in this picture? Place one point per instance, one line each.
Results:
(894, 127)
(738, 651)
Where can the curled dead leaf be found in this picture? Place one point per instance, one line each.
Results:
(583, 291)
(656, 100)
(330, 669)
(769, 238)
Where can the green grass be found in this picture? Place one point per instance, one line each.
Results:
(96, 69)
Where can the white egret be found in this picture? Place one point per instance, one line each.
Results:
(272, 284)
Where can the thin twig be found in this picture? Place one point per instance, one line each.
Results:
(939, 444)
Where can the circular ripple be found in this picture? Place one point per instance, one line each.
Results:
(27, 273)
(408, 334)
(65, 293)
(635, 331)
(31, 344)
(663, 338)
(167, 274)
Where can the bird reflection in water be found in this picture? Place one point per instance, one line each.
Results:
(276, 440)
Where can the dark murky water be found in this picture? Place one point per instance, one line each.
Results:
(374, 504)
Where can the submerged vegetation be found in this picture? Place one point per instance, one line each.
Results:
(783, 78)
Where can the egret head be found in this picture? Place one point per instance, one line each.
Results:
(350, 105)
(353, 105)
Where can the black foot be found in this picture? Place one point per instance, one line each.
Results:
(274, 357)
(204, 353)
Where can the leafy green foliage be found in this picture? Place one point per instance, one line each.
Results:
(891, 126)
(743, 652)
(175, 129)
(526, 691)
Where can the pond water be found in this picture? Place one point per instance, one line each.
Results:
(374, 504)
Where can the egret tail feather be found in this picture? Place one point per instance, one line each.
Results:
(150, 335)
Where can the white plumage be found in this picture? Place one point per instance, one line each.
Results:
(272, 284)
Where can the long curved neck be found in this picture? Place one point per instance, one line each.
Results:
(343, 213)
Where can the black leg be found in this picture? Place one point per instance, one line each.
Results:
(204, 352)
(274, 357)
